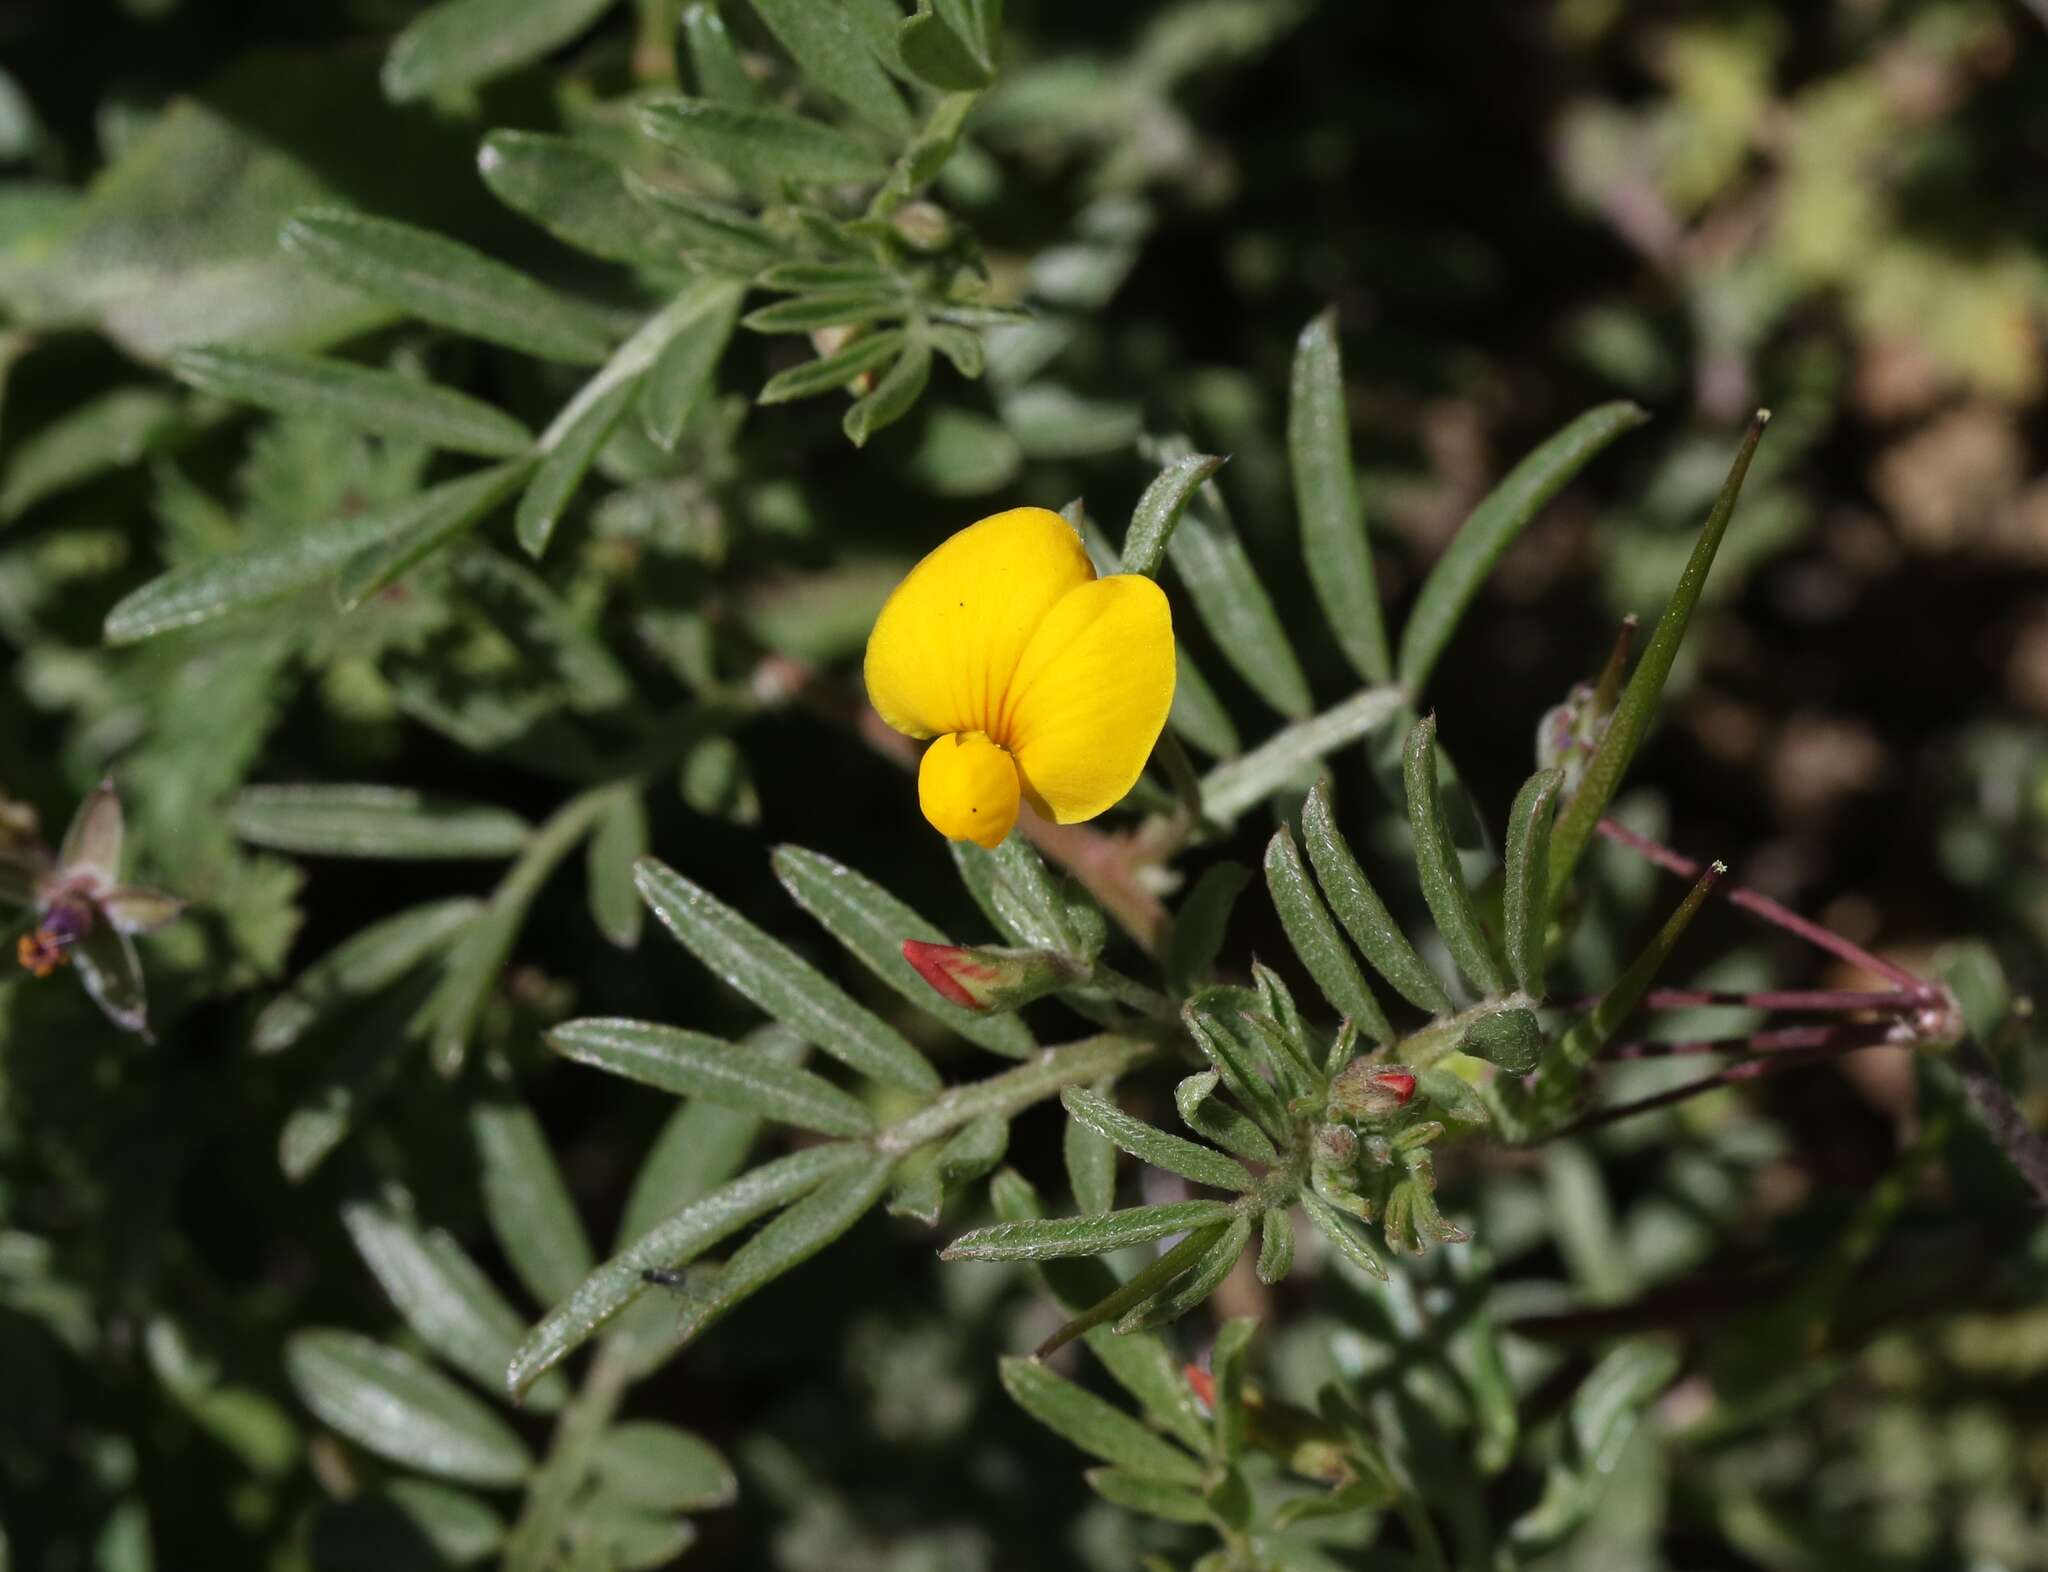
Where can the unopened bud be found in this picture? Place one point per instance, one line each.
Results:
(1512, 1039)
(923, 226)
(1371, 1091)
(983, 977)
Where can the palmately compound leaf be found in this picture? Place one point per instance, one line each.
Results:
(776, 980)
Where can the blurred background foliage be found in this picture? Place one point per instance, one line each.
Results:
(1518, 210)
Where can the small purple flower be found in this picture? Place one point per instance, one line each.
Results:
(83, 913)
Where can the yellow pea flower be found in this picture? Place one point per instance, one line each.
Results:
(1037, 680)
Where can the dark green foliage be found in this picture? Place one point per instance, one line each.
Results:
(451, 455)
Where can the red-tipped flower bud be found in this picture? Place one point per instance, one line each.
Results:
(983, 977)
(1365, 1091)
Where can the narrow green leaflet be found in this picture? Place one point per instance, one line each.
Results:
(825, 41)
(1155, 1146)
(836, 370)
(1638, 707)
(1331, 1225)
(555, 482)
(894, 394)
(577, 195)
(462, 42)
(937, 54)
(437, 517)
(778, 982)
(367, 962)
(1015, 890)
(1141, 1363)
(109, 432)
(1201, 1280)
(1214, 1020)
(701, 1146)
(1437, 869)
(447, 283)
(238, 580)
(715, 64)
(1291, 754)
(873, 924)
(1052, 1238)
(619, 841)
(1206, 1114)
(528, 1204)
(680, 383)
(1136, 1492)
(367, 398)
(467, 978)
(674, 1242)
(1234, 605)
(1316, 940)
(1333, 534)
(402, 1409)
(716, 234)
(759, 147)
(826, 308)
(1160, 509)
(690, 1064)
(1592, 1030)
(1525, 898)
(1198, 927)
(443, 1296)
(788, 1241)
(348, 1085)
(1276, 1245)
(1143, 1287)
(1090, 1161)
(1197, 714)
(1492, 528)
(1094, 1426)
(662, 1468)
(395, 1524)
(1359, 908)
(373, 821)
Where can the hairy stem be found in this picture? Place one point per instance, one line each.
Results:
(531, 1546)
(1771, 912)
(1071, 1064)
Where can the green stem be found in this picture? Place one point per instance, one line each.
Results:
(556, 838)
(1429, 1547)
(532, 1544)
(1072, 1064)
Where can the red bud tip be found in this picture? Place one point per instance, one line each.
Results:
(1398, 1082)
(943, 965)
(1204, 1385)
